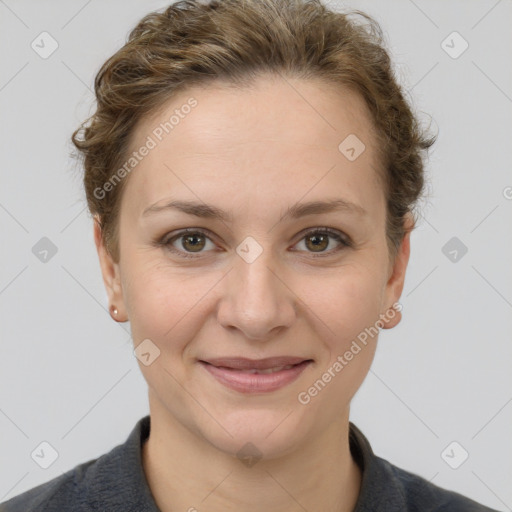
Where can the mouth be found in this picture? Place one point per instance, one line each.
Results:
(256, 375)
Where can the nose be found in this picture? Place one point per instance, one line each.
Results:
(256, 299)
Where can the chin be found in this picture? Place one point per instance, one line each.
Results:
(265, 432)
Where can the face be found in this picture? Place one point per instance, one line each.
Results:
(270, 277)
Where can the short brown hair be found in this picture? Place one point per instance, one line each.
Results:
(192, 42)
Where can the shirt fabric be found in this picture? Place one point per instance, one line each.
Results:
(116, 482)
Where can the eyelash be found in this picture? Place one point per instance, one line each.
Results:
(167, 242)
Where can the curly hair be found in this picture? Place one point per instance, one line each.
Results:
(194, 42)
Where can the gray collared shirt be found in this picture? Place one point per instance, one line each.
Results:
(115, 482)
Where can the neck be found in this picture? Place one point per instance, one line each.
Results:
(185, 472)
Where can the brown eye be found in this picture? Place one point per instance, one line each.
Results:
(193, 243)
(187, 243)
(319, 242)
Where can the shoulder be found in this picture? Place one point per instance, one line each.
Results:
(115, 481)
(420, 494)
(64, 492)
(388, 488)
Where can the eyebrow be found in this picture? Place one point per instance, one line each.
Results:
(296, 211)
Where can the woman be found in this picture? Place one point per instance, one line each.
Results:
(252, 169)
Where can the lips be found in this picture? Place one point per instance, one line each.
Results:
(244, 364)
(255, 375)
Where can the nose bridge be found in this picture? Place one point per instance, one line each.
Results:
(256, 280)
(256, 301)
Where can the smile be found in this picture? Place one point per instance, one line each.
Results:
(253, 379)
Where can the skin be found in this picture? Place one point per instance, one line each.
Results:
(254, 152)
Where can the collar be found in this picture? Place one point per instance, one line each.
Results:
(380, 487)
(130, 486)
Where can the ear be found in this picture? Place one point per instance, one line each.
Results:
(110, 273)
(395, 283)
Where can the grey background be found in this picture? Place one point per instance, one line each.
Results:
(68, 375)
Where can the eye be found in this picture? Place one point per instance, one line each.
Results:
(189, 243)
(319, 240)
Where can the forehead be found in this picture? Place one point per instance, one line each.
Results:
(280, 137)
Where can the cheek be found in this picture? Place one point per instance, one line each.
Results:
(164, 305)
(346, 301)
(347, 313)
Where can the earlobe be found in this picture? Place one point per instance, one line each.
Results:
(110, 274)
(394, 287)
